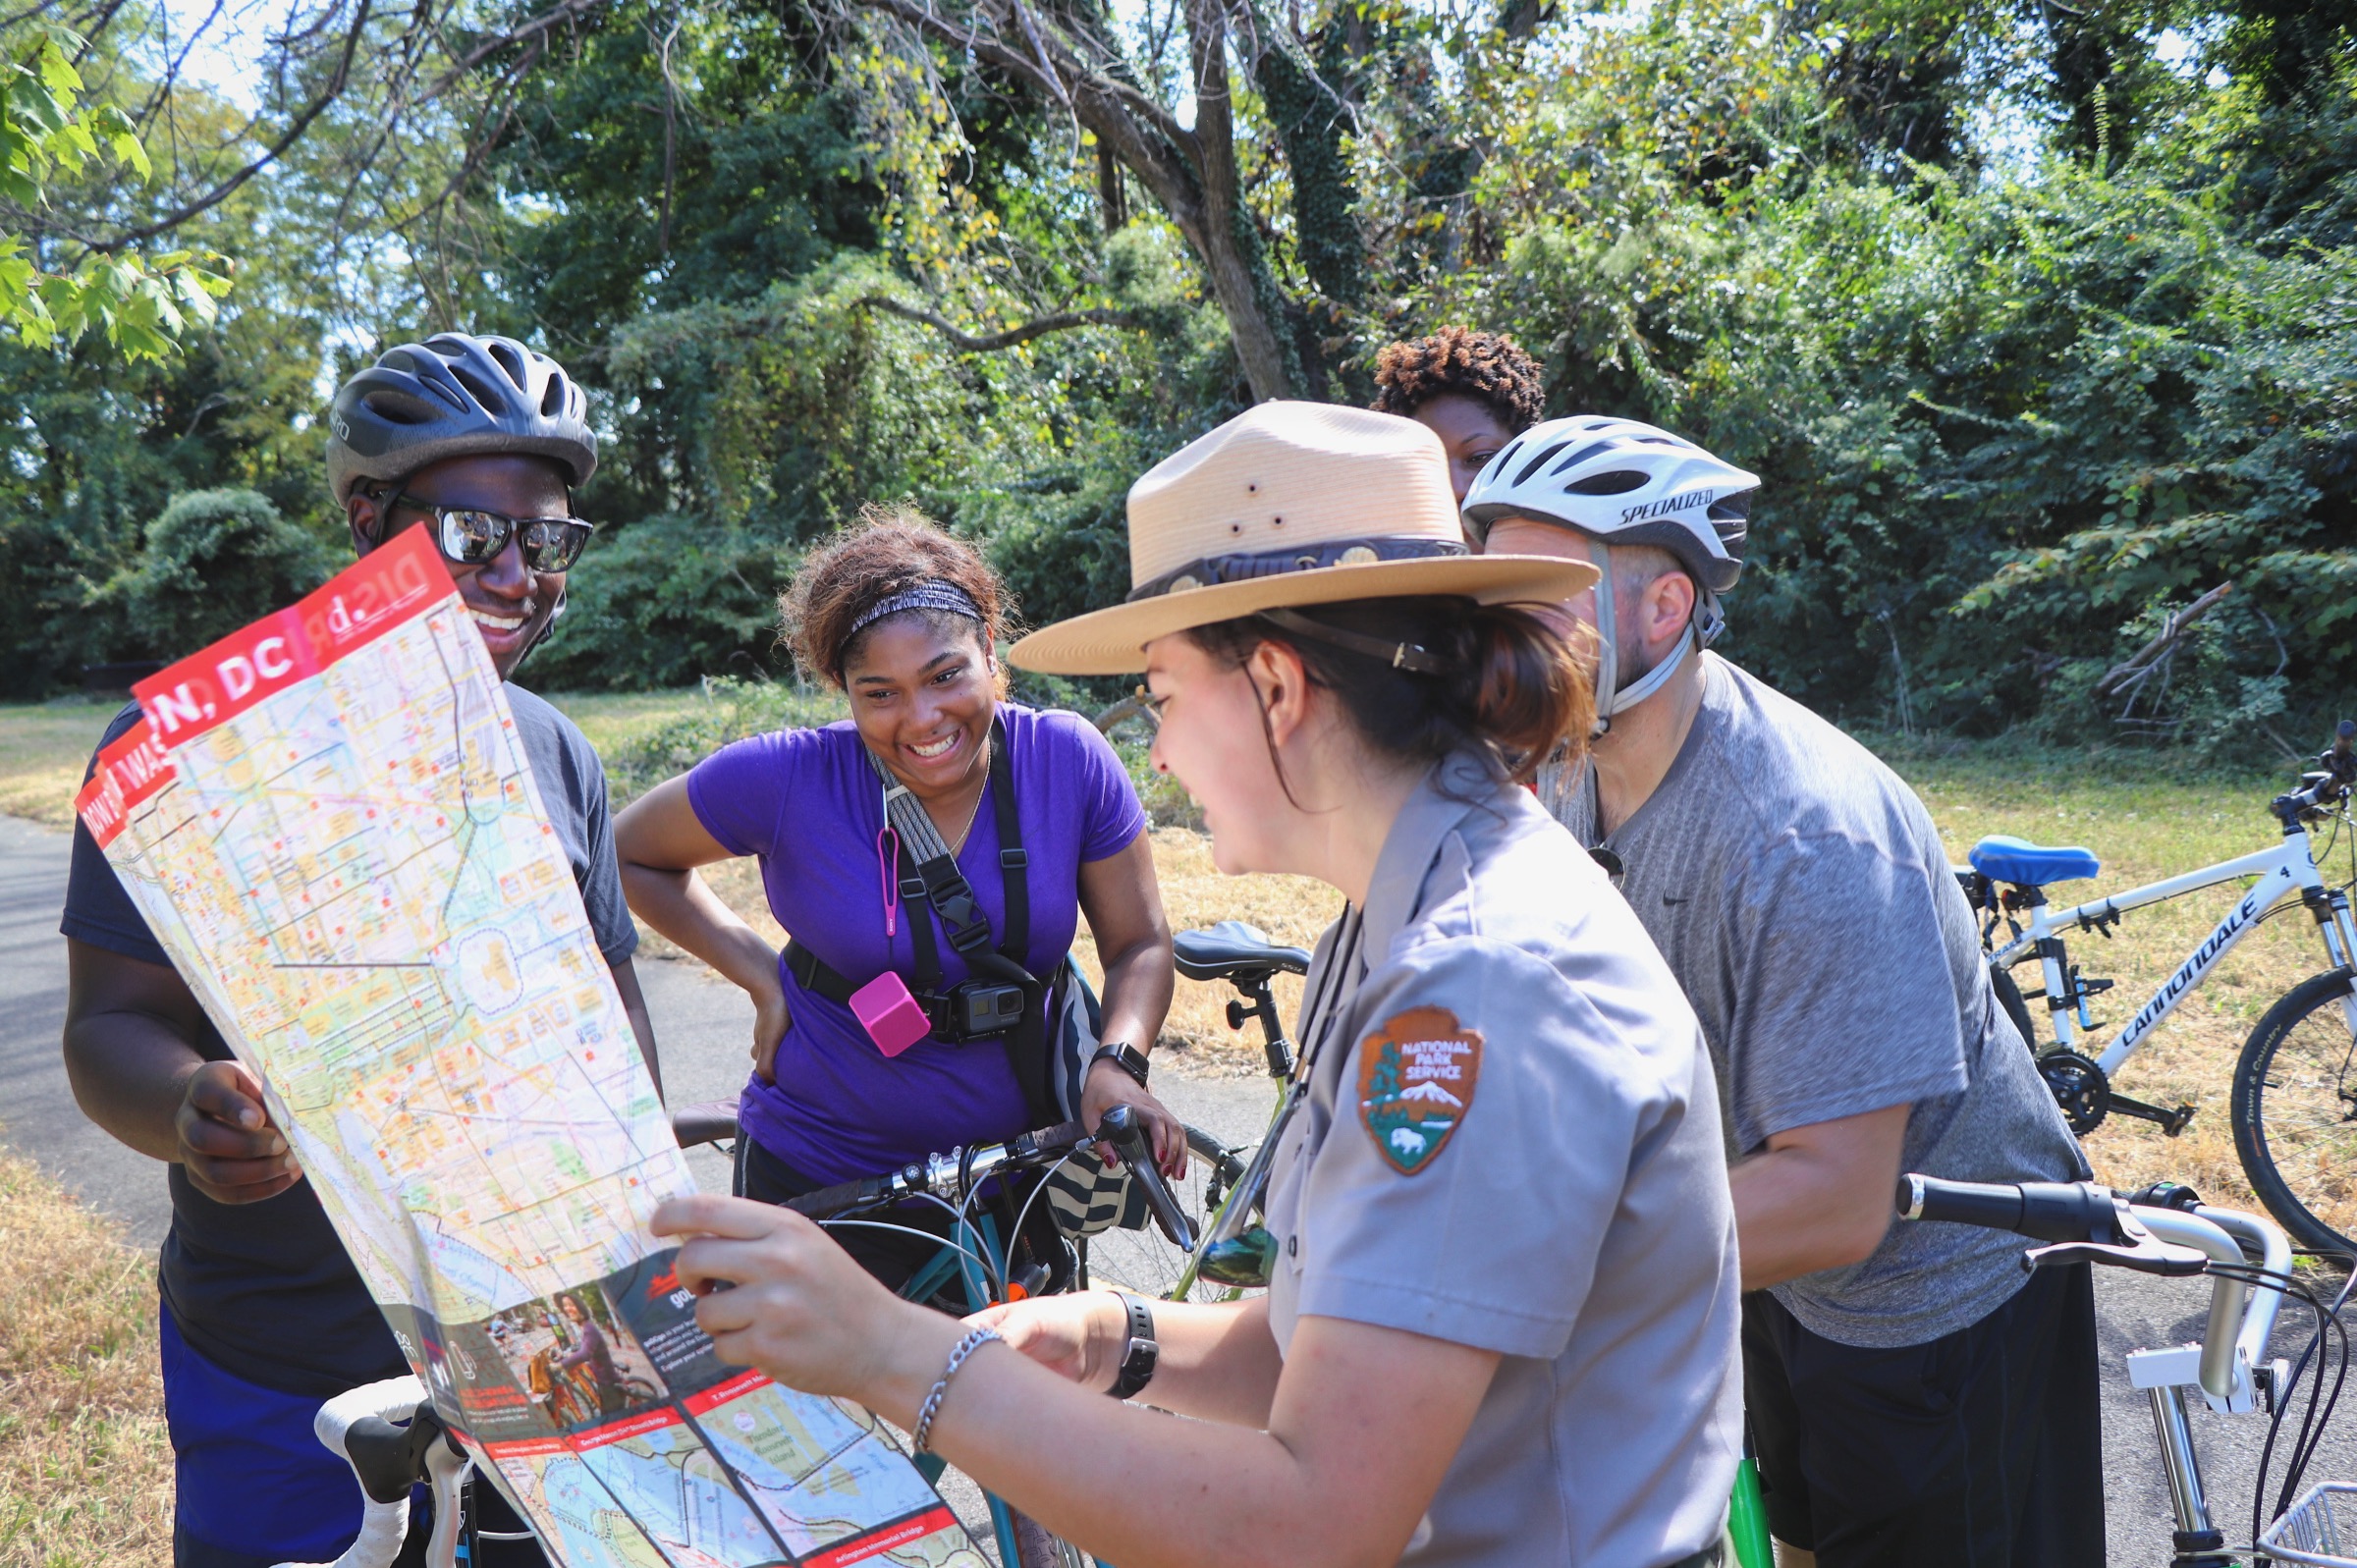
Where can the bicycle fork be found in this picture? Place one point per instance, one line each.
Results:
(2197, 1539)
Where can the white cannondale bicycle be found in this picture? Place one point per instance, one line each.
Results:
(2294, 1105)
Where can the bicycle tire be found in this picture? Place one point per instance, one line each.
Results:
(2295, 1114)
(2016, 1006)
(1144, 1260)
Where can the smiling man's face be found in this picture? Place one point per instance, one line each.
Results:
(510, 602)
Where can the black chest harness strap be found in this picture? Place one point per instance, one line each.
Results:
(1003, 1000)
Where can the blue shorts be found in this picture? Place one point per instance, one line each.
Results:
(254, 1486)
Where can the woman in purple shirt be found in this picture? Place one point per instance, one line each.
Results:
(905, 621)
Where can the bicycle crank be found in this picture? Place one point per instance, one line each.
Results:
(2168, 1121)
(2079, 1087)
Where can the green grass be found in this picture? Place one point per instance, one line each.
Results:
(43, 749)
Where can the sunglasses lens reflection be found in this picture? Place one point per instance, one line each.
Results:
(553, 546)
(473, 536)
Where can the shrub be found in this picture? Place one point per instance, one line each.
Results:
(211, 562)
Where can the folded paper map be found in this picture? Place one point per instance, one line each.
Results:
(330, 826)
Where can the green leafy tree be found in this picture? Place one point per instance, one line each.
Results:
(48, 130)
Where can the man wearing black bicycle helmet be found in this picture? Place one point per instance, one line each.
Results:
(1916, 1399)
(480, 441)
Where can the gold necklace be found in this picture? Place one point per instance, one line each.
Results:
(957, 844)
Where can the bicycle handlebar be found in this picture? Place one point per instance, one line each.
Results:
(951, 1176)
(2337, 765)
(2162, 1230)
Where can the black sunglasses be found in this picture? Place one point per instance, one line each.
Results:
(471, 536)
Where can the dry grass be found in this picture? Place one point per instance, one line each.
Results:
(86, 1471)
(43, 749)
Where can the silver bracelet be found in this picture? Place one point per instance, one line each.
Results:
(921, 1437)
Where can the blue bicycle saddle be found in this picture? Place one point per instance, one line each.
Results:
(2001, 857)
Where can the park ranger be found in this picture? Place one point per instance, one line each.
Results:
(1501, 1324)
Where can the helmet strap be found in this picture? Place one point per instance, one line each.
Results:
(1611, 698)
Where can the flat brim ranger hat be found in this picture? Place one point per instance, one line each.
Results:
(1287, 505)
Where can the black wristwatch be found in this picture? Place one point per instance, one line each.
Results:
(1141, 1353)
(1123, 1055)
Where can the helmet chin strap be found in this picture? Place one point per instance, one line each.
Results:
(1611, 698)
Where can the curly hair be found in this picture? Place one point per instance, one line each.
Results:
(1486, 366)
(884, 551)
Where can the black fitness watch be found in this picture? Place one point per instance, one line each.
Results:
(1140, 1354)
(1123, 1055)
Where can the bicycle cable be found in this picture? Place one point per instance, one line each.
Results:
(960, 1225)
(2304, 1450)
(1022, 1215)
(922, 1235)
(2312, 1429)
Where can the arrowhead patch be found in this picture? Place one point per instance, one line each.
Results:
(1415, 1083)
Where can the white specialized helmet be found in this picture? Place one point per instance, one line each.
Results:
(1622, 482)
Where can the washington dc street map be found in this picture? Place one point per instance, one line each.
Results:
(332, 828)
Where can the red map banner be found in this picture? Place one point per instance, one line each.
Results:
(129, 771)
(385, 588)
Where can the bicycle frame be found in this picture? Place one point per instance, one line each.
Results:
(2287, 868)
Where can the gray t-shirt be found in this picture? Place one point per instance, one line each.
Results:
(1801, 894)
(1510, 1141)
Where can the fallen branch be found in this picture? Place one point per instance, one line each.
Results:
(968, 343)
(2142, 661)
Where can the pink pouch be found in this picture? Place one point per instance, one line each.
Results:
(890, 1014)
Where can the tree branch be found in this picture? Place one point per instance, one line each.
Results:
(1014, 337)
(563, 10)
(287, 139)
(2146, 659)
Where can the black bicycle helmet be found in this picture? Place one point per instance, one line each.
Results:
(452, 395)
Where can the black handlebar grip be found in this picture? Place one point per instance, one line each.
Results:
(2044, 1211)
(842, 1197)
(1120, 1129)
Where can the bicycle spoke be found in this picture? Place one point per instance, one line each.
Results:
(2309, 1107)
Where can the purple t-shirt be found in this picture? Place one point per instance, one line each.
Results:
(809, 805)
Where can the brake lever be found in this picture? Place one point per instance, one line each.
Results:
(2138, 1249)
(1122, 1129)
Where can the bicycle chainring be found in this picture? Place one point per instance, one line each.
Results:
(2079, 1087)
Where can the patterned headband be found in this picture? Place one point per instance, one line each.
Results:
(934, 593)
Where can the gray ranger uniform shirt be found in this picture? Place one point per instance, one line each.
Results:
(1510, 1141)
(1801, 894)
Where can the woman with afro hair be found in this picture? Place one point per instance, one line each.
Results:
(1475, 390)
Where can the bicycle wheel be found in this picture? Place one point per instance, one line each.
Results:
(1144, 1260)
(2295, 1112)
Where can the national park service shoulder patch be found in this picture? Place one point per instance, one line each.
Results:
(1415, 1083)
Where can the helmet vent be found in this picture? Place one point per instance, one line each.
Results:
(508, 359)
(553, 396)
(1575, 458)
(484, 392)
(1619, 482)
(1538, 463)
(401, 409)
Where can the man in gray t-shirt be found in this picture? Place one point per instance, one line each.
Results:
(1916, 1399)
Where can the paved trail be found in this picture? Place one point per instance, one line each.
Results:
(703, 1028)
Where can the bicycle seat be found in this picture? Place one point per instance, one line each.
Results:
(1234, 951)
(710, 1123)
(2001, 857)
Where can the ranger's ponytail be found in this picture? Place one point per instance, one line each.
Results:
(1512, 683)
